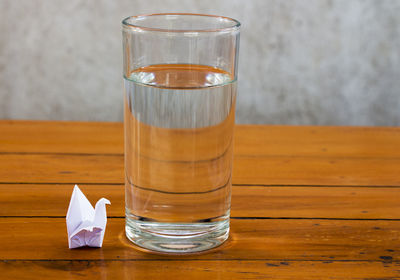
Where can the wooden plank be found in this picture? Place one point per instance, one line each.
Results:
(131, 269)
(44, 168)
(328, 240)
(294, 202)
(316, 171)
(321, 141)
(316, 202)
(61, 137)
(256, 140)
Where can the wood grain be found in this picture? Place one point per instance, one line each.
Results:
(46, 239)
(275, 202)
(132, 269)
(56, 168)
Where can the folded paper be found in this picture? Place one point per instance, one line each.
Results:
(85, 225)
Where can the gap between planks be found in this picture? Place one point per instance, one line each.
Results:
(233, 185)
(232, 218)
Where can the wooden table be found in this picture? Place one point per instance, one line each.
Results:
(307, 203)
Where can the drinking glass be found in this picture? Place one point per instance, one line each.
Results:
(180, 73)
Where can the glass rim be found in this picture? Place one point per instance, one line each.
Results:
(235, 23)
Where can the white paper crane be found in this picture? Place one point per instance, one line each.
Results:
(85, 225)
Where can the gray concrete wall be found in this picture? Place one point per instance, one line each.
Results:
(328, 62)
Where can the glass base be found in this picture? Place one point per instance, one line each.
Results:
(177, 238)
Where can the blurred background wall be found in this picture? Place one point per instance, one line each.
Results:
(325, 62)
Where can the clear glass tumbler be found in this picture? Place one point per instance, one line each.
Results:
(180, 73)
